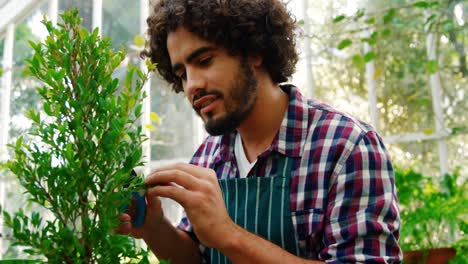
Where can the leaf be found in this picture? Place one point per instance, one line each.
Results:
(138, 110)
(377, 73)
(338, 18)
(448, 25)
(432, 66)
(344, 43)
(150, 127)
(83, 32)
(301, 22)
(386, 32)
(151, 66)
(388, 17)
(428, 131)
(129, 77)
(154, 117)
(358, 61)
(370, 21)
(430, 19)
(80, 133)
(19, 142)
(369, 56)
(33, 115)
(360, 13)
(372, 39)
(421, 4)
(457, 130)
(47, 109)
(139, 41)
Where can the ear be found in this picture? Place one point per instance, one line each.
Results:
(255, 61)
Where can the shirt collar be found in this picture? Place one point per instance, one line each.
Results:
(291, 135)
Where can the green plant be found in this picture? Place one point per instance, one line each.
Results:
(80, 151)
(433, 211)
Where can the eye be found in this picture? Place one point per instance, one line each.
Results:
(205, 61)
(182, 75)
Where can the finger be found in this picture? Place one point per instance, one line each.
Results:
(125, 227)
(168, 177)
(125, 218)
(152, 202)
(197, 171)
(177, 194)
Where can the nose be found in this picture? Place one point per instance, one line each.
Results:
(194, 83)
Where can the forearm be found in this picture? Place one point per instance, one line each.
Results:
(245, 247)
(171, 243)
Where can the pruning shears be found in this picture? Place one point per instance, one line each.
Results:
(137, 207)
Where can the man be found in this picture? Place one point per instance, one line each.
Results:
(281, 179)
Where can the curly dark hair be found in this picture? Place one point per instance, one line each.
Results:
(243, 27)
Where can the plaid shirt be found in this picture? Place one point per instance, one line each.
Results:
(343, 199)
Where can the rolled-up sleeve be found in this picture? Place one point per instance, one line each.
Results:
(362, 218)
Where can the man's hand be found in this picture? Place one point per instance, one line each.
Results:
(153, 219)
(197, 190)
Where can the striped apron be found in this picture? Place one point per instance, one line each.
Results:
(261, 205)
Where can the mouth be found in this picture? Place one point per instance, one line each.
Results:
(205, 103)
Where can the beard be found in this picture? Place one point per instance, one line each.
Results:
(239, 103)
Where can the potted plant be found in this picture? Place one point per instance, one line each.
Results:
(433, 217)
(77, 160)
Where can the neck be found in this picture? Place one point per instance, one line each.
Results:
(262, 125)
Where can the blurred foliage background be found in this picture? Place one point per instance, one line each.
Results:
(337, 32)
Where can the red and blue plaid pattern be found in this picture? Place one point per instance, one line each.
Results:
(343, 199)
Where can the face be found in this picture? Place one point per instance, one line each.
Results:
(221, 88)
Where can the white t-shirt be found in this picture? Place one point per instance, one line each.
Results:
(242, 162)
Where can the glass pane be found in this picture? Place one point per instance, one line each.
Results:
(23, 92)
(121, 21)
(2, 44)
(422, 157)
(458, 154)
(85, 8)
(23, 97)
(173, 138)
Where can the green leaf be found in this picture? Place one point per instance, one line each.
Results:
(129, 77)
(457, 130)
(33, 115)
(301, 22)
(421, 4)
(19, 143)
(360, 13)
(370, 21)
(386, 32)
(138, 110)
(151, 66)
(448, 25)
(369, 56)
(428, 131)
(372, 40)
(47, 109)
(432, 66)
(344, 43)
(80, 133)
(339, 18)
(388, 17)
(358, 61)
